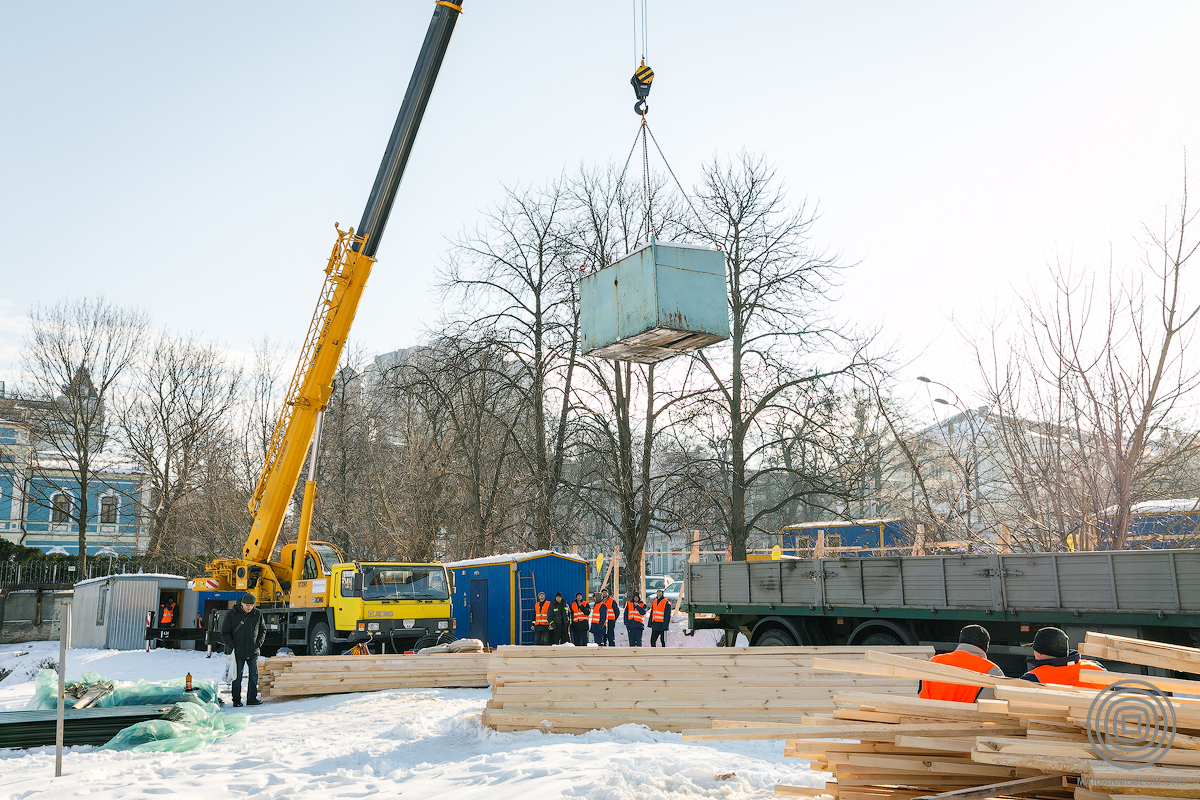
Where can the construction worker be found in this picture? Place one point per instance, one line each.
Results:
(614, 611)
(243, 633)
(660, 618)
(635, 620)
(1055, 661)
(580, 611)
(599, 620)
(166, 613)
(560, 620)
(973, 643)
(541, 620)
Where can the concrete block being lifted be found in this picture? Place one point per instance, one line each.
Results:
(657, 302)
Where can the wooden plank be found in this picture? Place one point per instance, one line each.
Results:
(782, 790)
(856, 731)
(1014, 788)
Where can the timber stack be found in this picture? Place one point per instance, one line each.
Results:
(291, 676)
(577, 689)
(1099, 742)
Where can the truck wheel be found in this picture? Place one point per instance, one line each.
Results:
(318, 640)
(776, 637)
(881, 639)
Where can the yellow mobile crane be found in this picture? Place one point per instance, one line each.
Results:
(318, 601)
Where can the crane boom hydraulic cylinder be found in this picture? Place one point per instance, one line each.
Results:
(408, 121)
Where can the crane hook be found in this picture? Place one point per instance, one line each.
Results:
(642, 77)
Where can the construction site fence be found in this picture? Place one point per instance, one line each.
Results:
(63, 571)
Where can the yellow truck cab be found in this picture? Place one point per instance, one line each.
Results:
(391, 605)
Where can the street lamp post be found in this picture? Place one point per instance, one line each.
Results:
(971, 472)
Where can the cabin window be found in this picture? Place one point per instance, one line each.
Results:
(310, 568)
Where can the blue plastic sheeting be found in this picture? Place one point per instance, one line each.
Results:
(655, 303)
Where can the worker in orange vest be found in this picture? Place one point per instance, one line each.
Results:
(614, 611)
(973, 643)
(541, 620)
(660, 618)
(1055, 661)
(580, 612)
(167, 613)
(599, 620)
(635, 620)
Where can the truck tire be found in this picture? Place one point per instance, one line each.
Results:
(776, 637)
(319, 643)
(881, 639)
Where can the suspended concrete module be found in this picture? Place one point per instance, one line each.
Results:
(657, 302)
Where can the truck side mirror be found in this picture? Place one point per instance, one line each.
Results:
(357, 584)
(450, 574)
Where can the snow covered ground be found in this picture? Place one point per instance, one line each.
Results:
(407, 742)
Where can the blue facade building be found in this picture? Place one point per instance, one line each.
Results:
(494, 596)
(39, 499)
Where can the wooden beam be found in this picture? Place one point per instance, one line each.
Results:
(1006, 789)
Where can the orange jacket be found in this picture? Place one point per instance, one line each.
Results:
(541, 613)
(579, 613)
(1063, 671)
(168, 613)
(635, 613)
(965, 659)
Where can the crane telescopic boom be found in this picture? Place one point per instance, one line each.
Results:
(311, 385)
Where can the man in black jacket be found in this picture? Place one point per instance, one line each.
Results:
(560, 620)
(243, 633)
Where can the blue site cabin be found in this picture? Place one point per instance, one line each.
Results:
(657, 302)
(494, 596)
(847, 538)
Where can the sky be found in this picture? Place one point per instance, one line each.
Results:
(192, 159)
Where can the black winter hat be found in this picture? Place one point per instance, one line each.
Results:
(1051, 642)
(976, 635)
(248, 599)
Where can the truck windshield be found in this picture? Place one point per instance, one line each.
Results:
(404, 583)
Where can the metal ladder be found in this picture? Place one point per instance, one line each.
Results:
(526, 599)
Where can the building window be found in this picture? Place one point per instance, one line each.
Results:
(62, 508)
(8, 435)
(108, 510)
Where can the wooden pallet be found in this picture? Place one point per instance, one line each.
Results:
(291, 676)
(574, 690)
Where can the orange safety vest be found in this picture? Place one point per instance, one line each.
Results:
(1066, 675)
(658, 610)
(168, 614)
(541, 613)
(596, 609)
(579, 612)
(961, 693)
(637, 613)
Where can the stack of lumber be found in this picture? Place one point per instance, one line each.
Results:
(290, 676)
(573, 690)
(1140, 651)
(1029, 741)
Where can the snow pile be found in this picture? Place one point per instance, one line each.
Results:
(408, 742)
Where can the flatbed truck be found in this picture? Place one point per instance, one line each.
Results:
(909, 600)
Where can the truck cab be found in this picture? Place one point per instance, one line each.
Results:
(392, 605)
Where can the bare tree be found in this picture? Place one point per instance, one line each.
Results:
(780, 339)
(74, 355)
(519, 280)
(178, 407)
(1090, 392)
